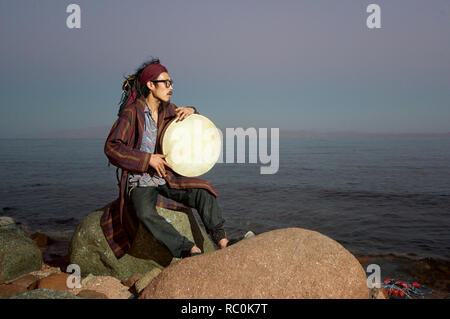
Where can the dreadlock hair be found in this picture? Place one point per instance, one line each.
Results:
(132, 82)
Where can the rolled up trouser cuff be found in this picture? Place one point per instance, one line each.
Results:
(217, 233)
(186, 249)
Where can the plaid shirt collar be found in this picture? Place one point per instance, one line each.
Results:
(167, 109)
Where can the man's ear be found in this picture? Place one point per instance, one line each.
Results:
(150, 85)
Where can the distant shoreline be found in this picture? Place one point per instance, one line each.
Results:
(102, 133)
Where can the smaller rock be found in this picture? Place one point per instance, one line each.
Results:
(378, 293)
(87, 279)
(24, 280)
(23, 283)
(146, 279)
(54, 282)
(91, 294)
(46, 271)
(27, 281)
(129, 282)
(107, 285)
(6, 221)
(9, 290)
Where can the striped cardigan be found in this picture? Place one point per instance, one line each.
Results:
(119, 221)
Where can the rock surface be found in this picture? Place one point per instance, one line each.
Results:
(54, 282)
(91, 294)
(378, 293)
(23, 283)
(18, 254)
(108, 286)
(145, 245)
(7, 290)
(90, 250)
(143, 282)
(46, 271)
(284, 263)
(44, 294)
(129, 282)
(7, 222)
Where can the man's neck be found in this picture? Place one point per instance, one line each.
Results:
(153, 103)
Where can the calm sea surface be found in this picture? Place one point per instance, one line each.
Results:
(373, 195)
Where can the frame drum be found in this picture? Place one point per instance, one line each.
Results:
(192, 145)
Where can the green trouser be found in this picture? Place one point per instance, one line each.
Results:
(144, 201)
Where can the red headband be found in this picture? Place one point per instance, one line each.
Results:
(151, 72)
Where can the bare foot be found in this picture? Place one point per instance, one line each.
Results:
(195, 249)
(222, 243)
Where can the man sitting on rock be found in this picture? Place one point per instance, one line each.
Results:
(134, 146)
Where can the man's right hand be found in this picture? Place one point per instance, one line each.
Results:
(157, 162)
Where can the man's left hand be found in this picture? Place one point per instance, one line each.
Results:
(183, 112)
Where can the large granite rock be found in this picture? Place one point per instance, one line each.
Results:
(284, 263)
(18, 254)
(90, 250)
(146, 246)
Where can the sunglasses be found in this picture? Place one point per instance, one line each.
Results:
(168, 83)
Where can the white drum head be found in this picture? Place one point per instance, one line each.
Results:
(192, 145)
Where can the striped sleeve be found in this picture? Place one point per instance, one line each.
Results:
(118, 146)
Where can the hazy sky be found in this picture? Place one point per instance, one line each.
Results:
(298, 65)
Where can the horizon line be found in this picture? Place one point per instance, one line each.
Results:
(102, 132)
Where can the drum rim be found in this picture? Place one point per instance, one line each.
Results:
(162, 141)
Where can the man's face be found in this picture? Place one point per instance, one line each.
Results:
(159, 89)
